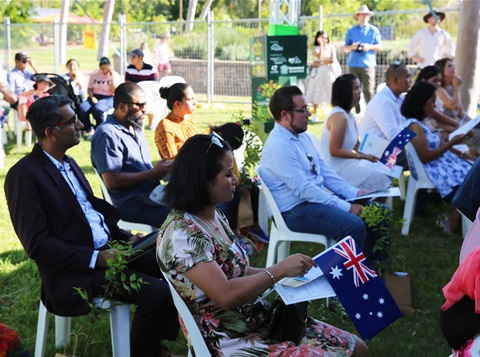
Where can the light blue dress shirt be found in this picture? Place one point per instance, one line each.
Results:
(295, 173)
(366, 34)
(96, 220)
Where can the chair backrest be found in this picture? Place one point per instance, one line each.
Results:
(194, 334)
(417, 171)
(151, 89)
(106, 195)
(277, 215)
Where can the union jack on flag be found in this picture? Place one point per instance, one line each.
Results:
(348, 250)
(358, 287)
(395, 147)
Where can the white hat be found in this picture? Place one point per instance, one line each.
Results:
(363, 10)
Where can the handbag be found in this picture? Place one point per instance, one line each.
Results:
(400, 286)
(288, 322)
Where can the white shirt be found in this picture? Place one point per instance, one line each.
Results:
(294, 172)
(430, 46)
(382, 115)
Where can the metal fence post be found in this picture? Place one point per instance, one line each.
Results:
(320, 18)
(210, 57)
(57, 44)
(8, 41)
(122, 20)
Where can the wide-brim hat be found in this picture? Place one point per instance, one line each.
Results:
(363, 10)
(440, 16)
(42, 78)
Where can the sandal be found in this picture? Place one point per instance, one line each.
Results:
(442, 222)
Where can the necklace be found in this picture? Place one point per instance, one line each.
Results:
(215, 224)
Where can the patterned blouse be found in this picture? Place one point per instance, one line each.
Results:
(171, 133)
(183, 241)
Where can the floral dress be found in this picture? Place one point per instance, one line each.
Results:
(183, 241)
(446, 172)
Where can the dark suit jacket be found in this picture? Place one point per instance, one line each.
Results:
(54, 230)
(467, 197)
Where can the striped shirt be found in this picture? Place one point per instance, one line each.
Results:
(147, 73)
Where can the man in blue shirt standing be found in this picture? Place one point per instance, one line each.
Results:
(308, 192)
(362, 42)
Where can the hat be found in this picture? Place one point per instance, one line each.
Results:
(21, 56)
(137, 52)
(440, 16)
(363, 10)
(42, 78)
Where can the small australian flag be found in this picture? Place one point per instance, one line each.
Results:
(358, 287)
(390, 155)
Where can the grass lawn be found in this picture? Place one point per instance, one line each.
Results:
(431, 258)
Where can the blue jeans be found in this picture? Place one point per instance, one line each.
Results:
(135, 210)
(329, 221)
(97, 110)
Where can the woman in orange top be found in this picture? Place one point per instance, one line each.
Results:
(176, 128)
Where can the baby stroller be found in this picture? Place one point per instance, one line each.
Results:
(62, 87)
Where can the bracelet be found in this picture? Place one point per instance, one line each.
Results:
(271, 277)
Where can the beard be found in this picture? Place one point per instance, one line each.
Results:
(134, 120)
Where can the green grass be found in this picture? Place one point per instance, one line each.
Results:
(431, 258)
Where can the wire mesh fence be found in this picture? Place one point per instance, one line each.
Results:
(214, 56)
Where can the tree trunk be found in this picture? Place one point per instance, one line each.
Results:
(192, 7)
(63, 30)
(105, 34)
(468, 54)
(206, 8)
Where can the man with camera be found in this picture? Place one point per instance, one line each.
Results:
(362, 42)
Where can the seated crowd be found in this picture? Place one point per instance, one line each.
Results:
(199, 245)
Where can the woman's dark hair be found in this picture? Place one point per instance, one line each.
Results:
(342, 91)
(72, 60)
(320, 33)
(104, 60)
(416, 98)
(196, 165)
(460, 323)
(427, 72)
(232, 133)
(173, 93)
(441, 63)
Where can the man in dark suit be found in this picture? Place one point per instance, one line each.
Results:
(65, 229)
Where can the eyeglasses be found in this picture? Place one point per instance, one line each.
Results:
(305, 110)
(140, 105)
(72, 120)
(215, 139)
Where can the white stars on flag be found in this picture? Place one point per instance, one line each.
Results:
(336, 272)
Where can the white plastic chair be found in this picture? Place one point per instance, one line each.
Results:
(128, 226)
(280, 235)
(418, 180)
(19, 128)
(194, 335)
(119, 327)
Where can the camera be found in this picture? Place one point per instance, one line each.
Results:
(360, 48)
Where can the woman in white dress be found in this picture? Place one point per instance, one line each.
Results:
(325, 69)
(339, 142)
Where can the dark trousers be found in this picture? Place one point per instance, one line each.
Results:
(156, 316)
(367, 79)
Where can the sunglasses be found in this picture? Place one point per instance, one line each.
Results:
(140, 105)
(215, 140)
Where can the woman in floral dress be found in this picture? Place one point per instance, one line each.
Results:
(210, 270)
(445, 166)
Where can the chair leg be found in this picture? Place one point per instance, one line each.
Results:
(401, 186)
(283, 250)
(62, 330)
(410, 202)
(42, 328)
(120, 330)
(28, 138)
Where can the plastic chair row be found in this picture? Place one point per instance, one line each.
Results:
(119, 327)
